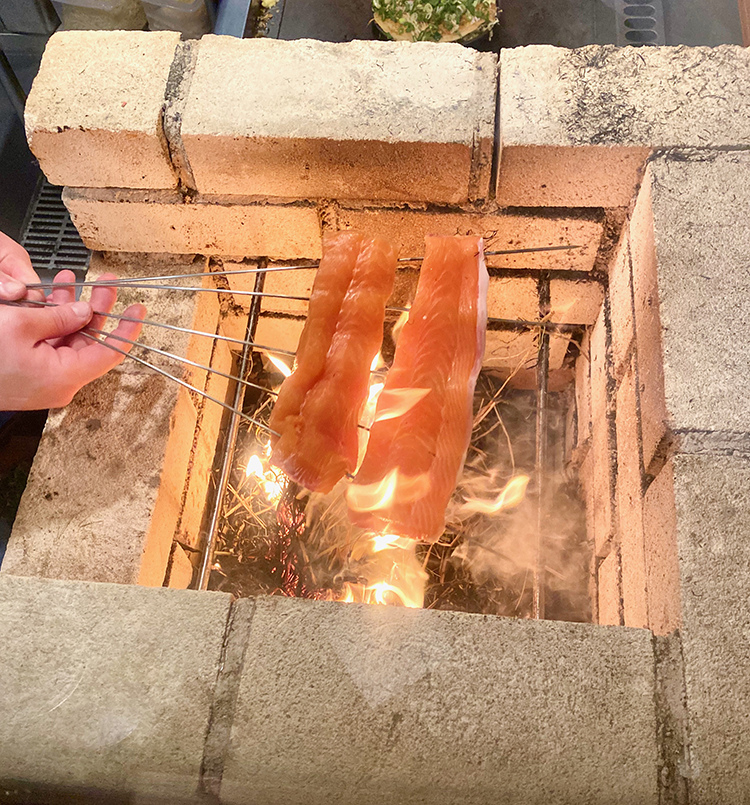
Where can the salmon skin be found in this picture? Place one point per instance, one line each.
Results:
(413, 461)
(320, 403)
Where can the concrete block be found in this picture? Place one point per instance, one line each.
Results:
(577, 125)
(602, 444)
(162, 221)
(648, 331)
(713, 520)
(439, 700)
(702, 242)
(621, 305)
(107, 688)
(662, 565)
(93, 117)
(501, 229)
(575, 302)
(630, 503)
(609, 589)
(399, 122)
(103, 496)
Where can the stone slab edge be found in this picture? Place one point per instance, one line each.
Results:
(669, 700)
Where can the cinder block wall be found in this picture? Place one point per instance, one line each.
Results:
(584, 141)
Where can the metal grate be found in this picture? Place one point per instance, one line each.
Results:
(640, 22)
(51, 240)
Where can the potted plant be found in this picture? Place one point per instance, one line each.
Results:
(434, 20)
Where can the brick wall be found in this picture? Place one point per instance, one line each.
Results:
(239, 150)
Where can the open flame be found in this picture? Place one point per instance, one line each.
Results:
(511, 495)
(394, 487)
(399, 326)
(374, 393)
(396, 402)
(381, 542)
(279, 364)
(269, 480)
(394, 574)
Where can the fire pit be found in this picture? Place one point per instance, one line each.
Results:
(193, 159)
(271, 537)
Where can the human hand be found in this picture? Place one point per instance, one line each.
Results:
(45, 359)
(16, 271)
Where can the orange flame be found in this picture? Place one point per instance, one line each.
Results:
(380, 494)
(271, 482)
(394, 574)
(511, 495)
(279, 364)
(369, 497)
(382, 542)
(399, 326)
(374, 392)
(396, 402)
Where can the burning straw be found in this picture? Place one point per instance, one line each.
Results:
(277, 539)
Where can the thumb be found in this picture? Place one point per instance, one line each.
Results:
(57, 321)
(11, 288)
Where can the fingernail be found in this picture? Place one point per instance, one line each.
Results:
(11, 288)
(81, 310)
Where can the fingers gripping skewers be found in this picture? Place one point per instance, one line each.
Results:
(98, 351)
(47, 356)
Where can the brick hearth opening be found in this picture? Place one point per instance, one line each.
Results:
(187, 157)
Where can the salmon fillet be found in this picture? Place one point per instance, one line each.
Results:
(320, 403)
(418, 456)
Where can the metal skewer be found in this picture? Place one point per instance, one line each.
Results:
(235, 411)
(209, 546)
(134, 281)
(150, 286)
(187, 361)
(542, 374)
(517, 323)
(176, 328)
